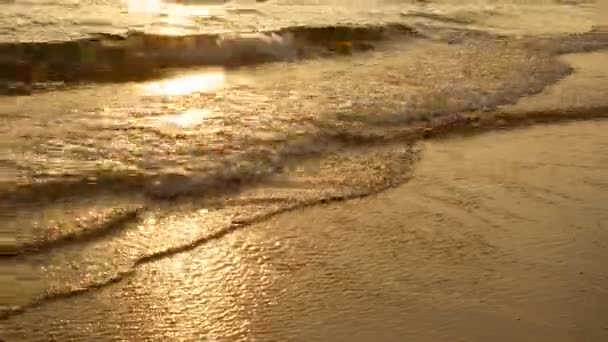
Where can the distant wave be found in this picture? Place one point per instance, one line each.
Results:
(137, 55)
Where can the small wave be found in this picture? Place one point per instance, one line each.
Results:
(229, 175)
(438, 17)
(99, 227)
(245, 11)
(137, 55)
(7, 312)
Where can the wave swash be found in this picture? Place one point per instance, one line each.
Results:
(131, 144)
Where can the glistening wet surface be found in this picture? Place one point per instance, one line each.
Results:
(495, 237)
(156, 167)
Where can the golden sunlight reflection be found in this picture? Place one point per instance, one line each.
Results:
(190, 293)
(190, 118)
(188, 84)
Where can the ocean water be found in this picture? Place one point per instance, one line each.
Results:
(133, 130)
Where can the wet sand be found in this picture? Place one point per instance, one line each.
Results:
(501, 236)
(498, 237)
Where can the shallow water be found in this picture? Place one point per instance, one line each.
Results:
(166, 126)
(495, 237)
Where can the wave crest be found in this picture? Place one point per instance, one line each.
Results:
(138, 55)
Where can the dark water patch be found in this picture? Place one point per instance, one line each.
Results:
(71, 186)
(330, 34)
(574, 2)
(467, 123)
(594, 40)
(245, 11)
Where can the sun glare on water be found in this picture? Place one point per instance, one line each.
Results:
(184, 85)
(188, 119)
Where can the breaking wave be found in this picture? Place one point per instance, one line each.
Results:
(138, 55)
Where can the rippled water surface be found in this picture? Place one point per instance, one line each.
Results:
(132, 131)
(25, 20)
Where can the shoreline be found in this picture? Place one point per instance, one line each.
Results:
(547, 107)
(452, 127)
(498, 267)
